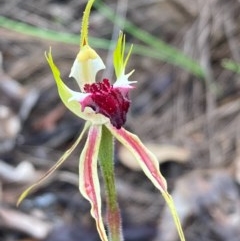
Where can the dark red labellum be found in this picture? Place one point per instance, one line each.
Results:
(109, 101)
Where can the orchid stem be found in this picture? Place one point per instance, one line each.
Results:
(106, 162)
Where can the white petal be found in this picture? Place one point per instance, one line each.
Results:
(123, 81)
(78, 96)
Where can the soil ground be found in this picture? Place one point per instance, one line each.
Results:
(191, 123)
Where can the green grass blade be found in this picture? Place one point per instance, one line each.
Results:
(231, 65)
(165, 51)
(157, 50)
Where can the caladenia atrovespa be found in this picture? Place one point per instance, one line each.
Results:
(104, 106)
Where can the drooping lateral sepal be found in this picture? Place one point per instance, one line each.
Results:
(55, 166)
(150, 166)
(146, 159)
(170, 203)
(89, 182)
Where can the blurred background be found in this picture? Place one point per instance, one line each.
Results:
(185, 107)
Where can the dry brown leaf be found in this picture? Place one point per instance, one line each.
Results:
(12, 219)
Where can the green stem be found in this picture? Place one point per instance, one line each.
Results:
(107, 168)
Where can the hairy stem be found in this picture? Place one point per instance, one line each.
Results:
(106, 162)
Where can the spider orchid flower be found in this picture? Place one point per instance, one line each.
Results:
(104, 107)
